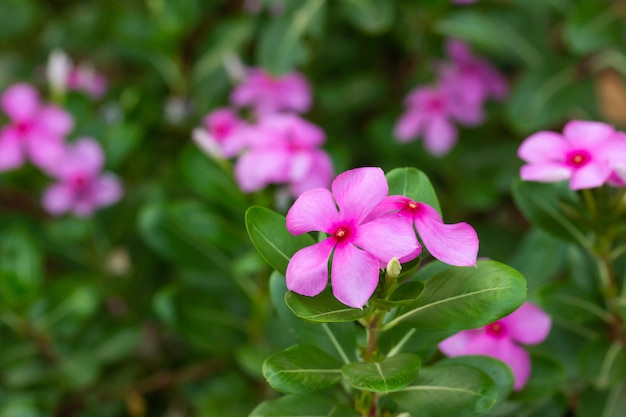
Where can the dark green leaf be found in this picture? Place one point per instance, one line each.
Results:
(369, 15)
(390, 375)
(302, 406)
(405, 294)
(546, 377)
(603, 363)
(323, 307)
(21, 264)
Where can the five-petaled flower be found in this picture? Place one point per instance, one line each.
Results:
(222, 134)
(528, 325)
(582, 154)
(360, 247)
(81, 187)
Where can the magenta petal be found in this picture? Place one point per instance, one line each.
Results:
(55, 121)
(585, 134)
(409, 125)
(545, 172)
(528, 324)
(307, 271)
(358, 191)
(87, 154)
(320, 176)
(455, 345)
(313, 210)
(107, 190)
(391, 204)
(455, 244)
(11, 153)
(440, 136)
(592, 175)
(354, 275)
(20, 102)
(543, 147)
(257, 168)
(45, 150)
(58, 199)
(387, 237)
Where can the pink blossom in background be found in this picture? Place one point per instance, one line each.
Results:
(283, 149)
(266, 94)
(222, 134)
(358, 246)
(528, 325)
(455, 244)
(617, 160)
(81, 188)
(35, 130)
(430, 113)
(470, 78)
(83, 77)
(582, 155)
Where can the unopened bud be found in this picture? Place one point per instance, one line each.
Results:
(393, 269)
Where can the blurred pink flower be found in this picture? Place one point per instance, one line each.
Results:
(431, 112)
(81, 188)
(470, 78)
(266, 94)
(359, 247)
(581, 154)
(83, 77)
(35, 130)
(455, 244)
(528, 325)
(617, 160)
(283, 149)
(222, 133)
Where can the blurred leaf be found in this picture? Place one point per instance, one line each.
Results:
(603, 363)
(461, 298)
(79, 369)
(546, 377)
(391, 374)
(271, 238)
(448, 390)
(119, 141)
(591, 26)
(323, 308)
(302, 406)
(16, 17)
(369, 15)
(302, 369)
(605, 403)
(17, 407)
(414, 184)
(21, 266)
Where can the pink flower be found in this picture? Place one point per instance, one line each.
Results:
(81, 188)
(430, 113)
(268, 94)
(222, 135)
(359, 247)
(581, 154)
(470, 78)
(35, 130)
(455, 244)
(84, 78)
(283, 149)
(528, 325)
(617, 160)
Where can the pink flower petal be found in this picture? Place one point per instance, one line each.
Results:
(543, 147)
(455, 244)
(440, 136)
(88, 155)
(45, 150)
(387, 237)
(58, 199)
(313, 210)
(409, 126)
(20, 102)
(528, 324)
(307, 271)
(545, 172)
(107, 190)
(455, 345)
(358, 191)
(584, 134)
(54, 121)
(256, 169)
(11, 152)
(592, 175)
(354, 275)
(319, 176)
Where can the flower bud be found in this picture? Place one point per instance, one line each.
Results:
(393, 269)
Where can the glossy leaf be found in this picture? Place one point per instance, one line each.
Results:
(323, 307)
(414, 184)
(391, 374)
(405, 294)
(448, 390)
(271, 238)
(301, 369)
(460, 298)
(369, 15)
(302, 406)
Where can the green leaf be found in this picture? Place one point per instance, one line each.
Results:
(448, 390)
(497, 370)
(546, 377)
(369, 15)
(603, 363)
(414, 184)
(302, 369)
(405, 294)
(460, 298)
(280, 47)
(302, 406)
(605, 403)
(591, 26)
(392, 374)
(543, 205)
(323, 307)
(21, 266)
(270, 237)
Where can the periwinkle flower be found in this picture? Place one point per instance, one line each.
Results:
(582, 155)
(528, 325)
(222, 133)
(81, 188)
(360, 247)
(35, 130)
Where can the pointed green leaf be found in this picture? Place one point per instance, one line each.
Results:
(460, 298)
(405, 294)
(497, 370)
(271, 238)
(369, 15)
(301, 369)
(323, 307)
(414, 184)
(448, 390)
(302, 406)
(392, 374)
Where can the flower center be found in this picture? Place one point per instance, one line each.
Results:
(412, 205)
(79, 182)
(496, 329)
(435, 104)
(578, 158)
(221, 130)
(22, 128)
(342, 233)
